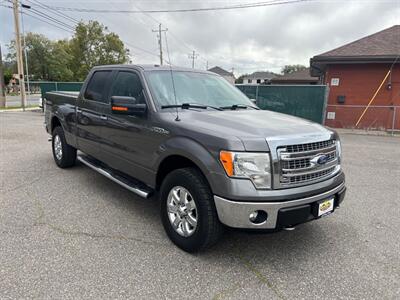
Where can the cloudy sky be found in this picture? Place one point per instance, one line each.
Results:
(261, 38)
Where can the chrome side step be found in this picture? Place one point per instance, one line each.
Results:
(125, 182)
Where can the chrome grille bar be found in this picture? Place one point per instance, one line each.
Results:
(299, 164)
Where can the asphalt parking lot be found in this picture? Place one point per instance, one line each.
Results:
(75, 234)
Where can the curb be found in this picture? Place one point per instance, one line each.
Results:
(21, 110)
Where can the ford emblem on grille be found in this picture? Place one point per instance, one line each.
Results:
(320, 159)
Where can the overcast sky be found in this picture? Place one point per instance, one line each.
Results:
(262, 38)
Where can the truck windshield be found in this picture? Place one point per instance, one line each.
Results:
(194, 88)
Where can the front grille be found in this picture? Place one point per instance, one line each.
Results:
(309, 146)
(303, 163)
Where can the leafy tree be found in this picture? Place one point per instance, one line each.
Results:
(292, 68)
(71, 60)
(38, 50)
(60, 58)
(91, 46)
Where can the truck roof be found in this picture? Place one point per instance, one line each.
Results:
(149, 67)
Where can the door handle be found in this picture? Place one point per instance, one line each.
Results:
(78, 110)
(103, 117)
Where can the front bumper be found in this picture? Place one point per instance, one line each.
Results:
(279, 214)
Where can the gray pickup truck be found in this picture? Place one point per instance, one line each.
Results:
(200, 146)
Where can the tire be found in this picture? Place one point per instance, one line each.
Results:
(67, 156)
(208, 229)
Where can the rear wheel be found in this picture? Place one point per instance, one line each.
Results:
(188, 211)
(64, 154)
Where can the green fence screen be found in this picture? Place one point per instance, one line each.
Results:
(59, 86)
(305, 101)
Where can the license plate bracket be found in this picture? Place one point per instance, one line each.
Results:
(323, 207)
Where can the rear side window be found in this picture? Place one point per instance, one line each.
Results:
(128, 84)
(96, 87)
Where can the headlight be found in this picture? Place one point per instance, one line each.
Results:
(254, 166)
(339, 151)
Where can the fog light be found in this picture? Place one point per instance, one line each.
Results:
(258, 217)
(253, 216)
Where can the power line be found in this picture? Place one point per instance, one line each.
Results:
(52, 24)
(183, 10)
(60, 14)
(39, 18)
(180, 41)
(50, 18)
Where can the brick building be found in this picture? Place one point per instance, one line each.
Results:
(354, 73)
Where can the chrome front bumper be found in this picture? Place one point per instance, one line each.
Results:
(236, 214)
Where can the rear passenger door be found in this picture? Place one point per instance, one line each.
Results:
(90, 112)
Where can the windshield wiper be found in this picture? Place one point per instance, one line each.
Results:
(236, 106)
(190, 105)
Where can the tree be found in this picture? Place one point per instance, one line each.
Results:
(71, 60)
(38, 49)
(292, 68)
(60, 58)
(91, 46)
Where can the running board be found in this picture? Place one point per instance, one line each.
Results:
(131, 184)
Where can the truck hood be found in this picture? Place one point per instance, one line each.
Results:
(252, 125)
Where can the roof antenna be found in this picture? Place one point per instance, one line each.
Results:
(172, 78)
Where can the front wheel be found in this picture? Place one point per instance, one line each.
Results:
(188, 211)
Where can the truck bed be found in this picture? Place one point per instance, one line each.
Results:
(58, 97)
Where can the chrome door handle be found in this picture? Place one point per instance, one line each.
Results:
(103, 117)
(78, 110)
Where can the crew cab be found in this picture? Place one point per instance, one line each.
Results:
(197, 144)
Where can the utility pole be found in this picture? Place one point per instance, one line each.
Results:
(20, 63)
(159, 31)
(193, 56)
(2, 84)
(25, 52)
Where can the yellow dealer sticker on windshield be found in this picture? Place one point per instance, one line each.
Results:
(325, 207)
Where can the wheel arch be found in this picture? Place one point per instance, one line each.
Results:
(55, 121)
(174, 162)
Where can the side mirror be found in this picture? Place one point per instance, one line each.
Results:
(254, 101)
(127, 106)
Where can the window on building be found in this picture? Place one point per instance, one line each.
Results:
(248, 80)
(258, 80)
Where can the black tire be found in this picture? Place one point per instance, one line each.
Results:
(208, 229)
(68, 154)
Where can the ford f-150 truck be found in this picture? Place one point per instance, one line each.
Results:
(201, 147)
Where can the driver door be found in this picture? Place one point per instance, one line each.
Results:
(126, 137)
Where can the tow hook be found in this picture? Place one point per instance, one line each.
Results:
(289, 228)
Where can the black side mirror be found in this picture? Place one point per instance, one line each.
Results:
(127, 106)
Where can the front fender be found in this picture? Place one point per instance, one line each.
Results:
(205, 160)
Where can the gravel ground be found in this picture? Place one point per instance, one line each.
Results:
(75, 234)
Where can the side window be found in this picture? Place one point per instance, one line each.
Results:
(128, 84)
(96, 87)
